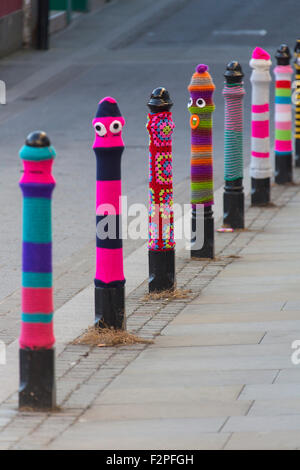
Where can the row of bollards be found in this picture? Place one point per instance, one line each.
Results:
(37, 361)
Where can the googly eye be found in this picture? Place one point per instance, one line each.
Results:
(200, 103)
(190, 103)
(115, 127)
(100, 129)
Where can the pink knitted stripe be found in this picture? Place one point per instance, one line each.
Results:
(260, 154)
(260, 129)
(109, 264)
(107, 197)
(37, 300)
(283, 69)
(36, 335)
(283, 125)
(283, 108)
(37, 172)
(260, 108)
(283, 145)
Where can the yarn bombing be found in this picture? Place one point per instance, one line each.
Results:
(297, 77)
(233, 135)
(260, 166)
(108, 147)
(201, 106)
(161, 218)
(283, 110)
(37, 184)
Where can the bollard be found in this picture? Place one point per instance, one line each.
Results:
(161, 244)
(283, 116)
(109, 279)
(260, 167)
(297, 110)
(37, 361)
(43, 25)
(233, 198)
(201, 106)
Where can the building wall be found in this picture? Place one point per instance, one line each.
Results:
(9, 6)
(11, 26)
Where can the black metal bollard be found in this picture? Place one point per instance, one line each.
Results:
(43, 25)
(161, 244)
(233, 198)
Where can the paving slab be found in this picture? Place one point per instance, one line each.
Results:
(159, 379)
(115, 394)
(205, 408)
(144, 434)
(271, 407)
(263, 423)
(280, 440)
(290, 376)
(198, 338)
(274, 391)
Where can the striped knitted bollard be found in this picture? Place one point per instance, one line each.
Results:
(297, 108)
(37, 378)
(109, 279)
(233, 199)
(201, 106)
(161, 245)
(283, 116)
(260, 167)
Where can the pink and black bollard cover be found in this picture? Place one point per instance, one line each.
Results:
(109, 279)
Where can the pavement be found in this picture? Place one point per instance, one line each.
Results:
(219, 374)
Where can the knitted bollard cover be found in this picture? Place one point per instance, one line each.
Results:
(201, 106)
(260, 62)
(108, 147)
(37, 184)
(297, 108)
(283, 110)
(161, 224)
(233, 133)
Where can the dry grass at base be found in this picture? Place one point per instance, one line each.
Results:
(29, 409)
(105, 337)
(168, 295)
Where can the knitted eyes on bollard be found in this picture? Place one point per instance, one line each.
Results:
(114, 127)
(200, 102)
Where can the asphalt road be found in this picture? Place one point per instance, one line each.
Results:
(58, 91)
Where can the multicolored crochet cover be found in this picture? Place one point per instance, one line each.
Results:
(161, 218)
(233, 134)
(37, 184)
(201, 106)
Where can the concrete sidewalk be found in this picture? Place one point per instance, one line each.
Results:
(218, 376)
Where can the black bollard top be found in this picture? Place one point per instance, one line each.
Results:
(233, 72)
(160, 100)
(297, 47)
(37, 139)
(283, 55)
(297, 53)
